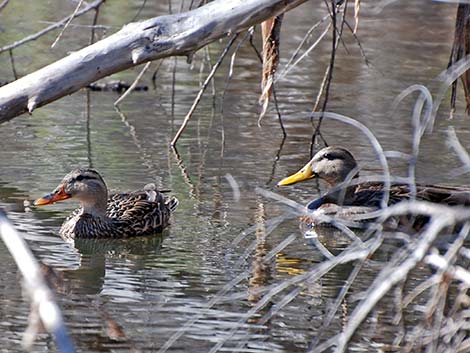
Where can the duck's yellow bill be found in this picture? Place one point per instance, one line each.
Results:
(303, 174)
(58, 195)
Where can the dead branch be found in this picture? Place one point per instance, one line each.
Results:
(12, 62)
(336, 37)
(270, 30)
(289, 66)
(201, 91)
(59, 24)
(45, 311)
(3, 4)
(357, 9)
(74, 14)
(133, 85)
(461, 48)
(389, 277)
(136, 43)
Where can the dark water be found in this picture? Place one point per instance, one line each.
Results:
(200, 278)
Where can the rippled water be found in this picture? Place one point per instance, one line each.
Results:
(157, 287)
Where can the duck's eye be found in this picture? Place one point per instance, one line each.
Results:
(328, 156)
(79, 178)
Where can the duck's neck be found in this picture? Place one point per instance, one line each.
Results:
(342, 195)
(95, 207)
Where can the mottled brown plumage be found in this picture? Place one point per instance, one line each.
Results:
(121, 215)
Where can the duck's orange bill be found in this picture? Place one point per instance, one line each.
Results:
(58, 195)
(303, 174)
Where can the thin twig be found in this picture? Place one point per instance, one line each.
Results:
(302, 42)
(276, 160)
(253, 46)
(139, 11)
(388, 277)
(201, 91)
(184, 174)
(59, 24)
(133, 85)
(66, 24)
(335, 42)
(87, 127)
(76, 25)
(279, 117)
(155, 73)
(93, 27)
(304, 55)
(12, 62)
(173, 90)
(232, 62)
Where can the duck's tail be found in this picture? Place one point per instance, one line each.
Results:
(172, 203)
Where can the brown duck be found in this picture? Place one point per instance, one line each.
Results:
(119, 216)
(336, 165)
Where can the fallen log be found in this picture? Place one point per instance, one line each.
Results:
(134, 44)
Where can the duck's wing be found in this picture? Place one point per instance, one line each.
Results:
(447, 195)
(366, 195)
(136, 211)
(370, 194)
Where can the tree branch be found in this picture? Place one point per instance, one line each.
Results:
(43, 304)
(61, 23)
(136, 43)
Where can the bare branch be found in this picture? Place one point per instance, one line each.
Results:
(59, 24)
(133, 85)
(67, 24)
(3, 4)
(136, 43)
(45, 309)
(201, 91)
(390, 276)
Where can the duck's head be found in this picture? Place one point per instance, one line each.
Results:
(332, 164)
(85, 185)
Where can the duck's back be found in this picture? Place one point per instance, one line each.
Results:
(135, 210)
(371, 194)
(127, 215)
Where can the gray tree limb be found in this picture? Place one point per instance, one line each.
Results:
(136, 43)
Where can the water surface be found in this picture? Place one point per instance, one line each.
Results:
(153, 286)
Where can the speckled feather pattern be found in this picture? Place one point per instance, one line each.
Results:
(127, 215)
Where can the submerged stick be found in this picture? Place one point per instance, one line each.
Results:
(41, 296)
